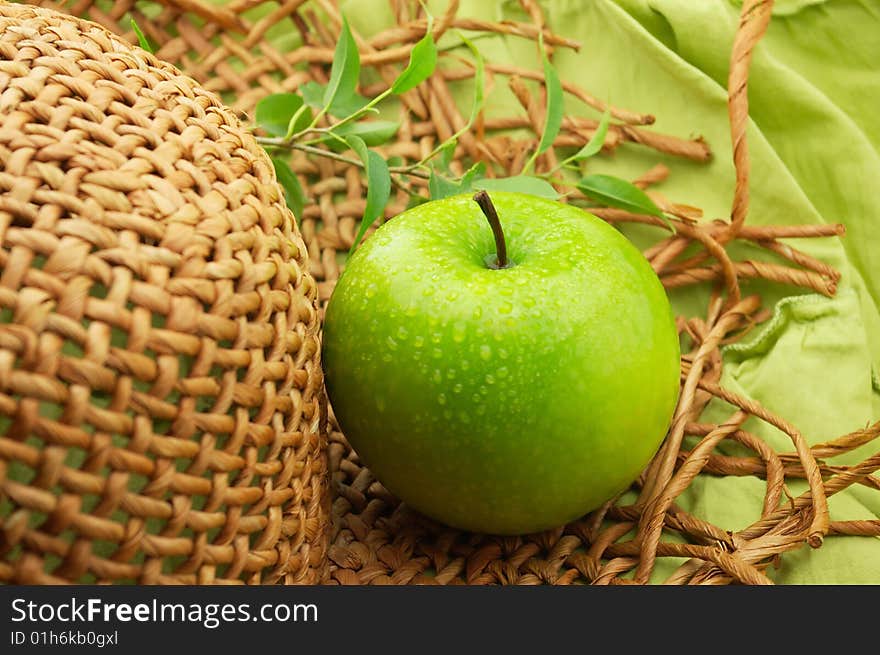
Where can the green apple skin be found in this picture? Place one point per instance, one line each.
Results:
(501, 401)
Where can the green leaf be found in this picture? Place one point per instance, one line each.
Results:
(520, 183)
(472, 174)
(415, 201)
(422, 62)
(373, 133)
(301, 119)
(313, 94)
(594, 145)
(346, 68)
(142, 39)
(275, 112)
(447, 152)
(615, 192)
(344, 106)
(440, 186)
(553, 119)
(360, 149)
(378, 185)
(290, 183)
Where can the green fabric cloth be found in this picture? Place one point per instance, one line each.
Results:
(814, 144)
(814, 139)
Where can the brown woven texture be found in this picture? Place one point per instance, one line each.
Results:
(376, 539)
(161, 397)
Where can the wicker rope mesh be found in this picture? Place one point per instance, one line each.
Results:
(377, 540)
(161, 395)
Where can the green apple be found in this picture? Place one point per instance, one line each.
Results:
(501, 399)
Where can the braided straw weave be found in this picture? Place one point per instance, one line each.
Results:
(161, 397)
(374, 538)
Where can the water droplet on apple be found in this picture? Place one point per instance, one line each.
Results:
(452, 296)
(485, 352)
(481, 409)
(392, 344)
(478, 312)
(450, 374)
(457, 388)
(428, 291)
(387, 358)
(528, 301)
(419, 341)
(502, 353)
(436, 337)
(490, 379)
(464, 365)
(464, 417)
(447, 414)
(441, 399)
(402, 333)
(370, 291)
(459, 330)
(438, 376)
(476, 398)
(437, 353)
(380, 403)
(502, 372)
(505, 307)
(484, 390)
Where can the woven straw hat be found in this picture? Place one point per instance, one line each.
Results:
(161, 412)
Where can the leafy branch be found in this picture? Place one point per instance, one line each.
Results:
(330, 121)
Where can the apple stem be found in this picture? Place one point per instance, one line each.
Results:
(485, 202)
